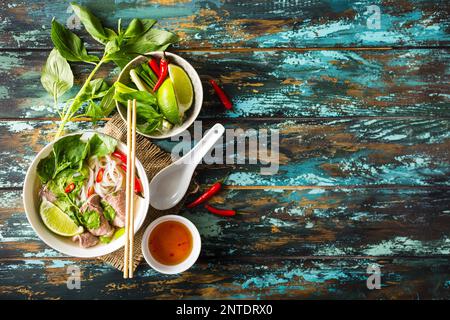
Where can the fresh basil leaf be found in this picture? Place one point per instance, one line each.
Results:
(101, 145)
(121, 57)
(107, 104)
(94, 111)
(91, 23)
(69, 152)
(138, 27)
(112, 46)
(69, 44)
(144, 98)
(97, 88)
(151, 126)
(148, 119)
(46, 168)
(56, 77)
(108, 210)
(152, 40)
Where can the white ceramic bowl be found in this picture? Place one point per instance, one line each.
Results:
(193, 111)
(186, 264)
(31, 202)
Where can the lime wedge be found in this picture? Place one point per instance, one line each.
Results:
(167, 102)
(182, 86)
(57, 221)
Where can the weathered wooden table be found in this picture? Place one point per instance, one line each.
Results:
(363, 115)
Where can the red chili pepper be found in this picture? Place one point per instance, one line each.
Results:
(154, 64)
(91, 191)
(120, 155)
(69, 188)
(220, 212)
(215, 188)
(164, 67)
(221, 94)
(99, 177)
(137, 182)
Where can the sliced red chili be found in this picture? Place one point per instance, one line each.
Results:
(220, 212)
(70, 187)
(120, 155)
(164, 67)
(100, 173)
(137, 182)
(91, 191)
(154, 64)
(221, 94)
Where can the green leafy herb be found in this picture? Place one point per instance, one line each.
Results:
(138, 27)
(139, 37)
(148, 117)
(101, 145)
(90, 219)
(69, 152)
(108, 210)
(56, 77)
(46, 168)
(92, 24)
(68, 208)
(69, 44)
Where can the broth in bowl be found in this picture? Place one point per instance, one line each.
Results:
(74, 194)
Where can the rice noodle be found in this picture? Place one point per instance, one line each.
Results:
(111, 181)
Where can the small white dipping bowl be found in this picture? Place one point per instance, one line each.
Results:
(31, 202)
(190, 260)
(194, 110)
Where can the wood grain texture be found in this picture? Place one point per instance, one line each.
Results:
(255, 24)
(289, 223)
(231, 279)
(311, 152)
(364, 164)
(305, 84)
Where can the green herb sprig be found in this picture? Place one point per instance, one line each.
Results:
(120, 46)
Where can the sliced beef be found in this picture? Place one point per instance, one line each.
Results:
(85, 240)
(46, 194)
(117, 201)
(93, 203)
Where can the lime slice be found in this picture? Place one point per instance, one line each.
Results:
(57, 221)
(167, 102)
(182, 86)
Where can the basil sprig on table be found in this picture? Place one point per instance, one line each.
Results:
(120, 46)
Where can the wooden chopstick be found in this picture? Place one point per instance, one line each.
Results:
(127, 194)
(132, 169)
(129, 204)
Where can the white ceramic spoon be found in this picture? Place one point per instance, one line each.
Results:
(169, 186)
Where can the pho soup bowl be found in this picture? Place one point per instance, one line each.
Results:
(65, 245)
(190, 115)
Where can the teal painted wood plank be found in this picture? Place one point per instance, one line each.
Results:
(311, 152)
(231, 279)
(260, 24)
(274, 83)
(288, 223)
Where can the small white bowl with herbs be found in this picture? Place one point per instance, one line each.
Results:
(74, 194)
(168, 92)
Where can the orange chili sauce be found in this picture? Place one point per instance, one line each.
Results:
(170, 242)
